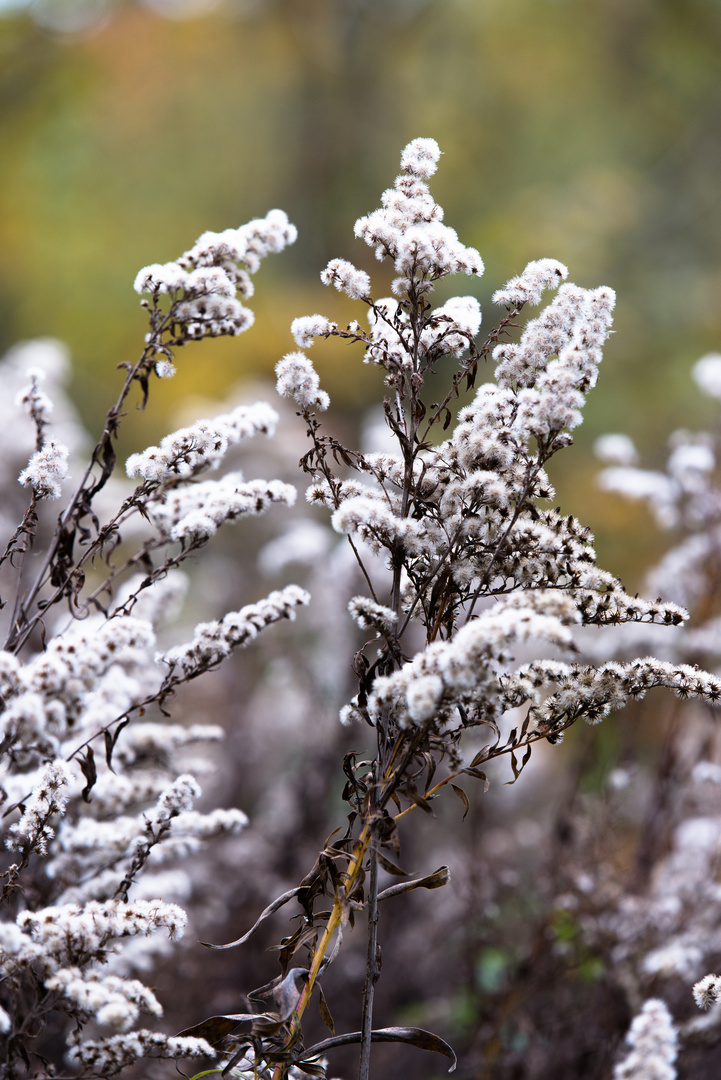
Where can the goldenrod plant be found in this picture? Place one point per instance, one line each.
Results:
(464, 563)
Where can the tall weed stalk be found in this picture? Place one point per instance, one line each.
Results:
(476, 590)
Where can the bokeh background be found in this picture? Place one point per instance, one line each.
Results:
(584, 130)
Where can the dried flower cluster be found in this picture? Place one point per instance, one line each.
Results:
(465, 563)
(652, 1039)
(204, 282)
(654, 924)
(99, 810)
(458, 536)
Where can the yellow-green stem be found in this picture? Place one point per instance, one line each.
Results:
(331, 926)
(334, 918)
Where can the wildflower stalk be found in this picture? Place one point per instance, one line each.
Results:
(372, 972)
(103, 453)
(453, 533)
(457, 524)
(62, 968)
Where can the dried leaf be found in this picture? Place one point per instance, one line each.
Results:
(87, 764)
(464, 799)
(286, 994)
(290, 945)
(385, 831)
(418, 800)
(325, 1011)
(518, 769)
(481, 756)
(314, 1069)
(111, 740)
(431, 770)
(215, 1028)
(284, 991)
(315, 881)
(271, 908)
(424, 1040)
(470, 771)
(436, 880)
(390, 867)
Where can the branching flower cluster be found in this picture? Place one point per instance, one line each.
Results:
(476, 592)
(204, 282)
(685, 498)
(99, 810)
(656, 926)
(455, 537)
(652, 1039)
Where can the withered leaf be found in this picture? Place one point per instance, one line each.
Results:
(111, 740)
(480, 757)
(419, 801)
(436, 880)
(261, 919)
(290, 945)
(464, 799)
(518, 769)
(314, 1070)
(386, 831)
(390, 867)
(233, 1060)
(431, 769)
(215, 1028)
(470, 771)
(286, 994)
(324, 1010)
(327, 844)
(424, 1040)
(315, 882)
(87, 764)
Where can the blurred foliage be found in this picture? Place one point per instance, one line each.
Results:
(585, 130)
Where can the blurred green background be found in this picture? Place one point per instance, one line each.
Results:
(584, 130)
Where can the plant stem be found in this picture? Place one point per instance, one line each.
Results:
(372, 971)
